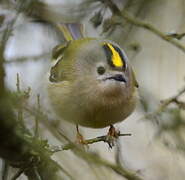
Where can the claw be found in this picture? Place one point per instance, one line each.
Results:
(79, 138)
(112, 136)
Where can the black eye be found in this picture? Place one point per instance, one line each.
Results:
(101, 70)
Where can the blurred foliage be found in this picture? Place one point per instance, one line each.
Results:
(21, 146)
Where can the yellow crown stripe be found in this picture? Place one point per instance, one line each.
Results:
(116, 59)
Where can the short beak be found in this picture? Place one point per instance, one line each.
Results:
(118, 77)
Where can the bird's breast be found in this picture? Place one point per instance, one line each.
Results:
(92, 110)
(105, 114)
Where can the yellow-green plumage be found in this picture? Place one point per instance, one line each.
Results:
(81, 92)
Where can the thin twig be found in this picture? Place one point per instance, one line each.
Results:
(18, 174)
(181, 104)
(36, 133)
(94, 158)
(131, 19)
(118, 156)
(89, 157)
(88, 141)
(116, 168)
(28, 58)
(175, 35)
(20, 105)
(37, 175)
(68, 146)
(65, 172)
(5, 170)
(165, 103)
(18, 83)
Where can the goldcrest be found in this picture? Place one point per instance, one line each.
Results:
(92, 83)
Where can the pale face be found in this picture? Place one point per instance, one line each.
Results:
(112, 83)
(103, 71)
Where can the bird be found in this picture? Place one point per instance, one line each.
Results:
(92, 83)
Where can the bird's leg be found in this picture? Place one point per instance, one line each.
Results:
(112, 135)
(79, 137)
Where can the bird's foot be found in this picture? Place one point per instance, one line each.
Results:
(79, 138)
(112, 136)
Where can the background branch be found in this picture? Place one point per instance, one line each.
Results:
(124, 14)
(165, 103)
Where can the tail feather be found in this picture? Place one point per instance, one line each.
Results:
(71, 31)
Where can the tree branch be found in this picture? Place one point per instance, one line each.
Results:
(90, 157)
(96, 159)
(124, 14)
(20, 149)
(17, 146)
(165, 103)
(86, 142)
